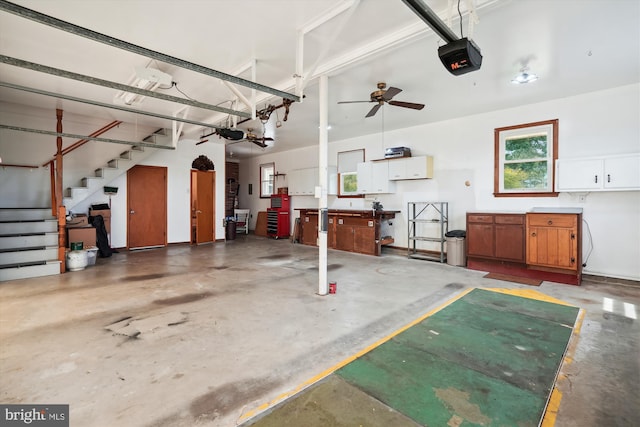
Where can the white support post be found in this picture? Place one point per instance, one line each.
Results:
(323, 156)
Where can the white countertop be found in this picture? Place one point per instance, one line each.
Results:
(555, 210)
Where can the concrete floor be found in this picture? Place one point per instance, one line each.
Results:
(205, 336)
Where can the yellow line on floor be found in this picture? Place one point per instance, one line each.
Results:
(348, 360)
(529, 293)
(553, 405)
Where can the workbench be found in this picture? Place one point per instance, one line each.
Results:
(361, 231)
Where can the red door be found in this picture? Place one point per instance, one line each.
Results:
(147, 207)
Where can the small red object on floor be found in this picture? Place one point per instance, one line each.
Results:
(332, 287)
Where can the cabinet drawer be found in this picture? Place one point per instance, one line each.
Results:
(552, 220)
(487, 219)
(510, 219)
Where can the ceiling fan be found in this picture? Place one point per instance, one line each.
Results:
(381, 96)
(237, 135)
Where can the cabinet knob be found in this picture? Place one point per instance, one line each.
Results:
(608, 177)
(549, 222)
(533, 234)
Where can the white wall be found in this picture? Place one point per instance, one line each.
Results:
(597, 123)
(178, 163)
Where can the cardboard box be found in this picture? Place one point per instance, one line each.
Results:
(86, 235)
(106, 213)
(78, 221)
(261, 224)
(106, 217)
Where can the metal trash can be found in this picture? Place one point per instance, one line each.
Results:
(455, 247)
(230, 232)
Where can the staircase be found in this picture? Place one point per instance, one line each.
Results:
(28, 243)
(103, 176)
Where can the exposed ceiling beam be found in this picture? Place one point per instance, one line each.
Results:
(113, 85)
(432, 20)
(92, 138)
(102, 104)
(121, 44)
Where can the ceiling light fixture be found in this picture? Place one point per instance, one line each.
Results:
(524, 77)
(147, 79)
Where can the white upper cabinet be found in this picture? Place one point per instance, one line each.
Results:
(373, 178)
(607, 173)
(420, 167)
(303, 182)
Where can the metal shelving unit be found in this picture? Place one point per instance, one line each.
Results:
(434, 213)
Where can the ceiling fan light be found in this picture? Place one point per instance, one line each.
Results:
(523, 77)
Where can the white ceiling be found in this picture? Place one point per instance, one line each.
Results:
(575, 46)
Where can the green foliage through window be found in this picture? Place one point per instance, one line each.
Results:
(525, 156)
(525, 163)
(350, 183)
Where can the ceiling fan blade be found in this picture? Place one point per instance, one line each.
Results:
(390, 93)
(407, 105)
(267, 139)
(352, 102)
(201, 142)
(259, 143)
(374, 110)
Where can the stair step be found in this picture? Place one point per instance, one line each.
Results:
(10, 214)
(101, 172)
(28, 240)
(20, 256)
(24, 271)
(27, 226)
(74, 192)
(90, 181)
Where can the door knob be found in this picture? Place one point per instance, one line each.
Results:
(198, 211)
(132, 211)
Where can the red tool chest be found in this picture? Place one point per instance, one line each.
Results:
(278, 222)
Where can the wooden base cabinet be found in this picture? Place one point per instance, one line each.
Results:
(496, 236)
(554, 241)
(357, 235)
(309, 226)
(544, 244)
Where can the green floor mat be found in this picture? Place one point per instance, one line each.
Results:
(487, 359)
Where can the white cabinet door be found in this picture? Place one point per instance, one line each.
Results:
(579, 174)
(293, 181)
(420, 167)
(622, 173)
(397, 169)
(300, 182)
(373, 178)
(606, 173)
(303, 182)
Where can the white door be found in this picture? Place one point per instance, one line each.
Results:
(622, 172)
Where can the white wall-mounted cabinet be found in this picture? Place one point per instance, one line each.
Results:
(373, 178)
(606, 173)
(303, 182)
(420, 167)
